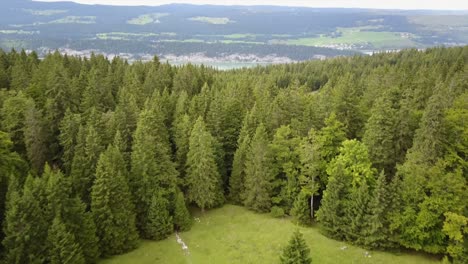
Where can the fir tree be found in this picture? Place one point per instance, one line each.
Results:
(72, 212)
(85, 160)
(203, 179)
(377, 231)
(258, 173)
(62, 245)
(236, 181)
(284, 147)
(152, 167)
(111, 205)
(159, 225)
(301, 209)
(26, 225)
(182, 218)
(297, 251)
(332, 210)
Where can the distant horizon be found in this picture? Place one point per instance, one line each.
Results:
(448, 5)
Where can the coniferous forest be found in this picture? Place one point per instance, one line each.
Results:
(96, 154)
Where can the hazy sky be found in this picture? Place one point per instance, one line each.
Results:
(384, 4)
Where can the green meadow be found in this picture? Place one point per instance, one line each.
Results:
(233, 234)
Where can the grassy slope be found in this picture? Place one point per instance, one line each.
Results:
(234, 235)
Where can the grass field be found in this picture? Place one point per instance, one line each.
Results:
(350, 36)
(212, 20)
(235, 235)
(147, 19)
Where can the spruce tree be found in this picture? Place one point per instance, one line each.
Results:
(380, 136)
(301, 209)
(377, 230)
(85, 160)
(203, 179)
(69, 127)
(72, 212)
(26, 225)
(297, 251)
(62, 245)
(151, 164)
(236, 181)
(286, 161)
(258, 173)
(332, 210)
(356, 213)
(159, 224)
(182, 218)
(111, 205)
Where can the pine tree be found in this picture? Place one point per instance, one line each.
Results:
(284, 147)
(380, 136)
(356, 213)
(332, 210)
(152, 167)
(159, 225)
(69, 127)
(258, 173)
(203, 179)
(111, 205)
(62, 245)
(297, 251)
(26, 225)
(236, 181)
(182, 218)
(301, 209)
(72, 212)
(85, 160)
(181, 131)
(377, 231)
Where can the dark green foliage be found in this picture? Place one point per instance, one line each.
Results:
(332, 210)
(297, 251)
(301, 209)
(72, 211)
(284, 147)
(182, 217)
(236, 181)
(62, 245)
(151, 164)
(111, 206)
(272, 138)
(203, 179)
(26, 224)
(258, 173)
(85, 160)
(159, 223)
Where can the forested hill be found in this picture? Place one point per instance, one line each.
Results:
(207, 33)
(95, 154)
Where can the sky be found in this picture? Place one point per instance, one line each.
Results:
(379, 4)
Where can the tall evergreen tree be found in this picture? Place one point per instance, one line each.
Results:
(111, 205)
(284, 148)
(62, 245)
(159, 225)
(380, 136)
(151, 164)
(26, 225)
(203, 179)
(236, 181)
(297, 251)
(258, 173)
(72, 212)
(182, 218)
(85, 160)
